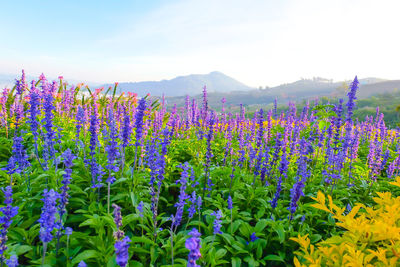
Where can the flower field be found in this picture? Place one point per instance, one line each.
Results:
(91, 178)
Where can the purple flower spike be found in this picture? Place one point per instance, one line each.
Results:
(13, 261)
(8, 213)
(48, 216)
(217, 222)
(121, 251)
(193, 245)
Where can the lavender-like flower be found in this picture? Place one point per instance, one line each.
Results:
(193, 245)
(217, 222)
(34, 102)
(13, 261)
(8, 213)
(48, 106)
(18, 162)
(82, 264)
(140, 208)
(118, 221)
(122, 243)
(192, 207)
(295, 194)
(230, 203)
(68, 231)
(121, 251)
(352, 96)
(139, 120)
(112, 149)
(68, 158)
(176, 220)
(207, 181)
(126, 129)
(253, 238)
(94, 166)
(80, 122)
(48, 216)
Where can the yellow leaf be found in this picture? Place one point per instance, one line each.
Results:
(296, 262)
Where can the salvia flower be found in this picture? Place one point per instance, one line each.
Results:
(118, 221)
(8, 213)
(193, 245)
(80, 122)
(192, 207)
(48, 216)
(253, 238)
(177, 218)
(68, 158)
(230, 204)
(140, 208)
(13, 261)
(139, 120)
(18, 162)
(352, 96)
(121, 251)
(68, 231)
(217, 222)
(112, 149)
(295, 194)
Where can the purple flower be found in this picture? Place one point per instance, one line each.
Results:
(121, 251)
(352, 96)
(253, 238)
(140, 208)
(176, 220)
(193, 245)
(68, 231)
(8, 213)
(80, 121)
(126, 129)
(295, 194)
(230, 204)
(207, 181)
(13, 261)
(48, 106)
(217, 222)
(82, 264)
(48, 216)
(68, 158)
(18, 162)
(34, 99)
(192, 201)
(139, 120)
(112, 149)
(118, 221)
(95, 168)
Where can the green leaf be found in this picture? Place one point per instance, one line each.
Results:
(220, 253)
(260, 225)
(22, 249)
(273, 258)
(281, 233)
(236, 262)
(87, 254)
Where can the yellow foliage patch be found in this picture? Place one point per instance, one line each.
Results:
(372, 236)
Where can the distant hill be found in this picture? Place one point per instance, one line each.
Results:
(185, 85)
(296, 91)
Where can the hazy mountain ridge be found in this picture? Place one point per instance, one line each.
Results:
(185, 85)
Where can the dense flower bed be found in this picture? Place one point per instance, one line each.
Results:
(104, 180)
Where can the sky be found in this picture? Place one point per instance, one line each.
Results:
(258, 42)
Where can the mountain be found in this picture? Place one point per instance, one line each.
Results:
(296, 91)
(215, 81)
